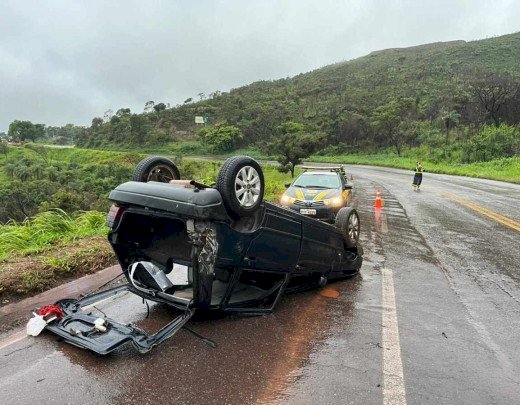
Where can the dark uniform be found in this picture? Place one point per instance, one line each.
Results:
(417, 179)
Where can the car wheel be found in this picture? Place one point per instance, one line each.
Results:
(156, 168)
(240, 182)
(347, 220)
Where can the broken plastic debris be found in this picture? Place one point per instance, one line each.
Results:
(35, 325)
(100, 325)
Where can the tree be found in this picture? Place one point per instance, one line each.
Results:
(221, 137)
(450, 120)
(19, 201)
(493, 92)
(122, 112)
(388, 117)
(493, 143)
(3, 148)
(159, 107)
(188, 100)
(148, 106)
(292, 145)
(26, 130)
(138, 128)
(352, 129)
(108, 115)
(96, 123)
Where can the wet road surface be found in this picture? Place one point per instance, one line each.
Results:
(432, 318)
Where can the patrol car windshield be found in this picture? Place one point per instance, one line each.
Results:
(317, 180)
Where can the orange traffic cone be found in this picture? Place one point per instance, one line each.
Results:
(379, 201)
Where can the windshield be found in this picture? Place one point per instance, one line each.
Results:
(317, 180)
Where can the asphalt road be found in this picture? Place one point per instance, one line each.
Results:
(433, 318)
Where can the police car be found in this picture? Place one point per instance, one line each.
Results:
(319, 192)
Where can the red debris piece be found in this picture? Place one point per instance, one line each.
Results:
(50, 311)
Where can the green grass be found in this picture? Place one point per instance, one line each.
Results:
(46, 229)
(275, 182)
(185, 149)
(506, 169)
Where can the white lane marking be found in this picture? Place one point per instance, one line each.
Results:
(393, 379)
(12, 339)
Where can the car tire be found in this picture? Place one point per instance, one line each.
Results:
(240, 182)
(156, 168)
(347, 220)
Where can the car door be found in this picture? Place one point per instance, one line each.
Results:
(320, 247)
(276, 246)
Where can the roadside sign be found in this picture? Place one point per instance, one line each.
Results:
(206, 119)
(199, 119)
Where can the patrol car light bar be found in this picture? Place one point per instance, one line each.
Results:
(327, 168)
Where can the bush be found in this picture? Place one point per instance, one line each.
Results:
(493, 143)
(221, 137)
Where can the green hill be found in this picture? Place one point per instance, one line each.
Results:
(337, 99)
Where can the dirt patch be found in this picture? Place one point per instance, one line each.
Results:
(27, 275)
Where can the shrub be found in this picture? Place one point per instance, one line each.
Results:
(493, 142)
(221, 137)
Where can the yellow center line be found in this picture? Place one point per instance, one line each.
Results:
(511, 223)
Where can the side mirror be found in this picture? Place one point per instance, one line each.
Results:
(287, 185)
(347, 187)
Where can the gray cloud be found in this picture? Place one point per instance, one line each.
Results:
(63, 61)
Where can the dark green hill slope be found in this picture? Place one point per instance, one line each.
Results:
(334, 98)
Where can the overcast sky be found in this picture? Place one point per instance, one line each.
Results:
(68, 61)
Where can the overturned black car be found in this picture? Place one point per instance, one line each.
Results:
(196, 247)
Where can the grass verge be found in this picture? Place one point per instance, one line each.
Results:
(506, 169)
(49, 248)
(46, 229)
(25, 275)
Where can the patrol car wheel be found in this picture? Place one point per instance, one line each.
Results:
(240, 182)
(347, 220)
(156, 168)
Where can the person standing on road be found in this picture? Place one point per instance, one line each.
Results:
(417, 179)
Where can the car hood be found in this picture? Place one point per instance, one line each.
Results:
(312, 194)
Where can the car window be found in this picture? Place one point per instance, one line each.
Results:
(324, 180)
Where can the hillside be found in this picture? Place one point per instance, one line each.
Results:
(435, 75)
